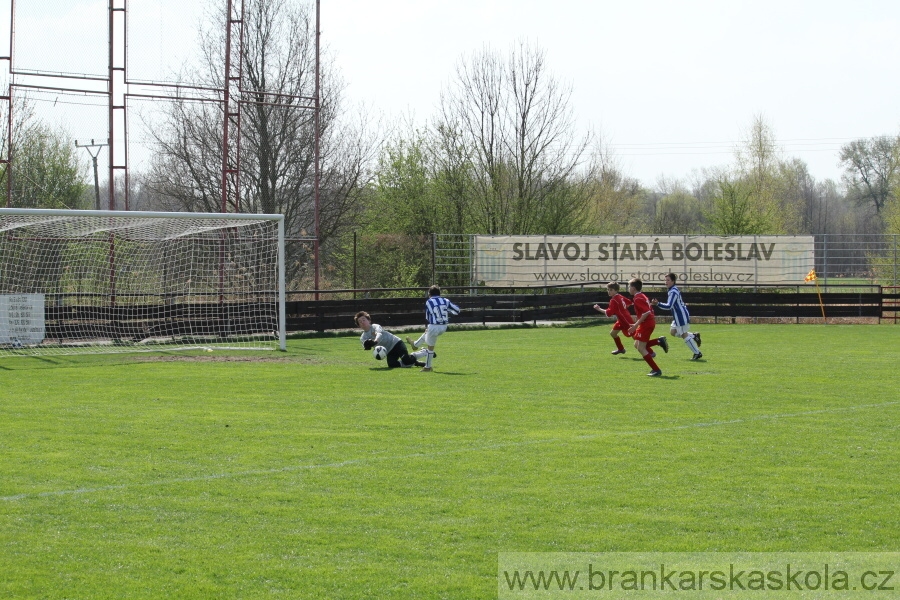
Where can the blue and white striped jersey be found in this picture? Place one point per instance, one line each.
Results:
(676, 304)
(438, 310)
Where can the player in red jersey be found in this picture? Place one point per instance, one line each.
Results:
(643, 327)
(618, 308)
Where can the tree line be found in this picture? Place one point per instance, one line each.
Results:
(501, 155)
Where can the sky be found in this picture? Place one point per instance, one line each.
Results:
(672, 86)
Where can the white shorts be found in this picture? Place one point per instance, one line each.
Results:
(680, 330)
(432, 332)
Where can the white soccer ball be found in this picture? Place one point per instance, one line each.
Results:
(379, 352)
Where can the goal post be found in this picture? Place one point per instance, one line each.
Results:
(92, 281)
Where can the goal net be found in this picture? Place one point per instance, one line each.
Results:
(76, 281)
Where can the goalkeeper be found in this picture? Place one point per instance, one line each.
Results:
(375, 335)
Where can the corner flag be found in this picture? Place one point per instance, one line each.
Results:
(811, 276)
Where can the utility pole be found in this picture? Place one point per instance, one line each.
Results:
(94, 157)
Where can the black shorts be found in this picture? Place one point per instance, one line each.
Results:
(399, 357)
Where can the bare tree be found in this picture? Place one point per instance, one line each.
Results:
(277, 129)
(758, 156)
(511, 121)
(617, 202)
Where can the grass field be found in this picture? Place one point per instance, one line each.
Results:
(317, 474)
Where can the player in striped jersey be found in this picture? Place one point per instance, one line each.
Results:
(437, 312)
(681, 319)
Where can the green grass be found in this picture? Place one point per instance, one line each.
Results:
(316, 474)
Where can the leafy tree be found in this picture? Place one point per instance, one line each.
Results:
(793, 189)
(883, 261)
(759, 165)
(393, 261)
(407, 194)
(762, 193)
(872, 169)
(678, 212)
(733, 211)
(892, 213)
(47, 171)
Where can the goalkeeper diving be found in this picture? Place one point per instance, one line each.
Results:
(374, 335)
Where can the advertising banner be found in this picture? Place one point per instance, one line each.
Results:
(523, 261)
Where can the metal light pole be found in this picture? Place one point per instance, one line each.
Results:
(96, 176)
(317, 158)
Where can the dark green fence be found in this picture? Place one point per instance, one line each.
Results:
(722, 305)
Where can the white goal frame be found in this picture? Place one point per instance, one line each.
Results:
(211, 265)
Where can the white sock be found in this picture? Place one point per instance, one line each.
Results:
(689, 340)
(428, 357)
(420, 353)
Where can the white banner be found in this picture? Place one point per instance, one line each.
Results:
(520, 261)
(22, 319)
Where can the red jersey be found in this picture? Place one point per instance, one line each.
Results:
(641, 306)
(618, 308)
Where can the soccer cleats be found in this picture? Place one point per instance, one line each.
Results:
(617, 352)
(411, 343)
(697, 356)
(697, 339)
(656, 373)
(664, 343)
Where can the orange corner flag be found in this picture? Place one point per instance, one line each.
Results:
(811, 276)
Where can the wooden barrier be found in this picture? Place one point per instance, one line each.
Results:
(323, 315)
(524, 308)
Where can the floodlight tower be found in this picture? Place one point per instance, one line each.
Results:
(94, 156)
(318, 109)
(231, 107)
(116, 88)
(8, 98)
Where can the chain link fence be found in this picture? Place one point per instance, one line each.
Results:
(391, 264)
(870, 258)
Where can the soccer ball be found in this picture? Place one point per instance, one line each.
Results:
(379, 352)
